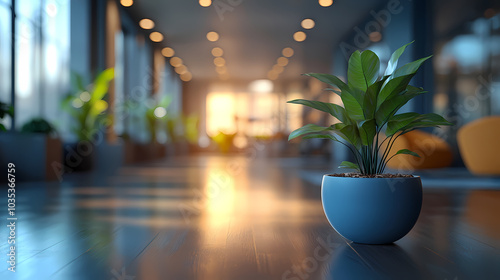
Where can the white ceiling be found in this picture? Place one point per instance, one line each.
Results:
(253, 32)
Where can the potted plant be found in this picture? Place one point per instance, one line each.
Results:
(369, 206)
(37, 149)
(87, 107)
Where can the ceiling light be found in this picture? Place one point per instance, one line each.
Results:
(287, 52)
(219, 61)
(282, 61)
(146, 23)
(156, 37)
(186, 77)
(307, 23)
(212, 36)
(272, 75)
(299, 36)
(278, 69)
(127, 3)
(325, 3)
(375, 36)
(221, 70)
(167, 52)
(217, 51)
(175, 61)
(205, 3)
(181, 69)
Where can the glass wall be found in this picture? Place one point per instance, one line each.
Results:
(466, 64)
(42, 59)
(5, 49)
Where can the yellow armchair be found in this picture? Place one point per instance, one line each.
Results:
(479, 144)
(434, 152)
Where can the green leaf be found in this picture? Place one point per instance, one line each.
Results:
(330, 108)
(306, 129)
(393, 62)
(329, 79)
(101, 84)
(393, 87)
(350, 133)
(334, 90)
(406, 152)
(370, 99)
(367, 131)
(352, 106)
(321, 136)
(363, 69)
(2, 127)
(425, 120)
(409, 68)
(397, 122)
(349, 165)
(390, 106)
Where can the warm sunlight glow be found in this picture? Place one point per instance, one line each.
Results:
(212, 36)
(167, 52)
(287, 52)
(261, 86)
(325, 3)
(186, 77)
(299, 36)
(127, 3)
(156, 37)
(219, 61)
(307, 23)
(282, 61)
(217, 51)
(220, 113)
(175, 61)
(205, 3)
(146, 23)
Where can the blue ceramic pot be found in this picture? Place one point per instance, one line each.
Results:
(372, 210)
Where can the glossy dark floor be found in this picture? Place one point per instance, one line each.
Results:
(218, 218)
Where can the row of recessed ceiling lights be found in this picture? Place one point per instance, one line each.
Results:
(218, 53)
(282, 61)
(167, 52)
(323, 3)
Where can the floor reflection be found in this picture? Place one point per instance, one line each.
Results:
(233, 218)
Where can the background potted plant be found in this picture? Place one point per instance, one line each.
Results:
(369, 206)
(36, 150)
(87, 106)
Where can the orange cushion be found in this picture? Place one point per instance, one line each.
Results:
(433, 152)
(479, 144)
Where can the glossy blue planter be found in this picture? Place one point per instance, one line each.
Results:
(372, 210)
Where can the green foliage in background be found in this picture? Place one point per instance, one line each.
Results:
(86, 104)
(371, 104)
(5, 110)
(39, 125)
